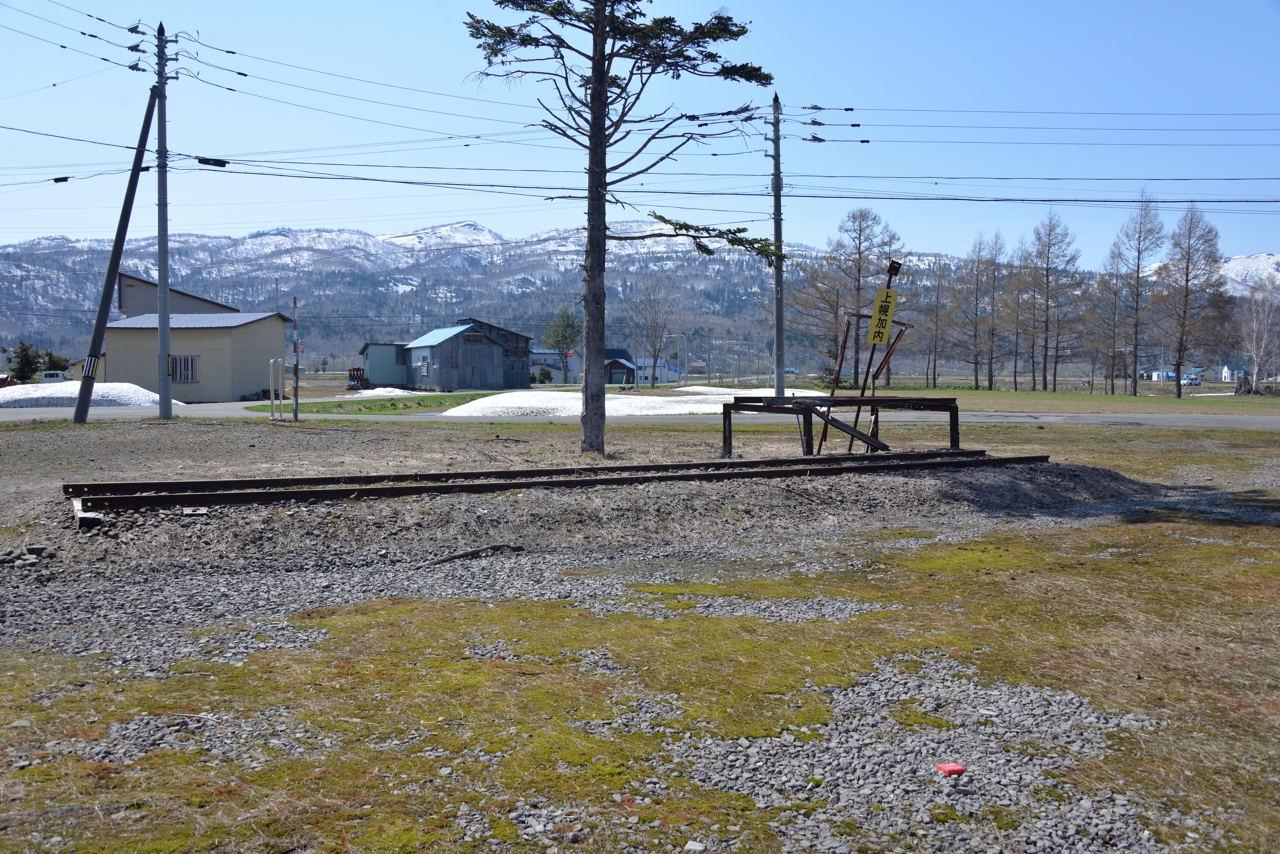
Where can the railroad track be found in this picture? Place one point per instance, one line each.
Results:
(96, 497)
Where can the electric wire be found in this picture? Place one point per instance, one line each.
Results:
(95, 17)
(72, 49)
(55, 85)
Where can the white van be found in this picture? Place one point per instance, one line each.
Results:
(54, 377)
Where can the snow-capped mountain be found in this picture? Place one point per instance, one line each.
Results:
(373, 283)
(1242, 271)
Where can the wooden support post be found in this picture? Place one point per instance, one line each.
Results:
(953, 411)
(726, 449)
(835, 381)
(807, 441)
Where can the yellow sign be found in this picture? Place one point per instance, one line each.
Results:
(882, 317)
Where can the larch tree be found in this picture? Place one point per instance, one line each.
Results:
(600, 57)
(862, 255)
(1135, 249)
(1191, 287)
(1054, 257)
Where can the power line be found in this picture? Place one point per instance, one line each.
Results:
(133, 67)
(55, 85)
(95, 17)
(813, 109)
(1037, 128)
(352, 97)
(443, 134)
(816, 138)
(65, 27)
(361, 79)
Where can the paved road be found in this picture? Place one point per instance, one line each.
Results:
(239, 410)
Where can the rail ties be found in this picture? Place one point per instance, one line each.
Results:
(198, 493)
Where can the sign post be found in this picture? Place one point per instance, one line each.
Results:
(878, 329)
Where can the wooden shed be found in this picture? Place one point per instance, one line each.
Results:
(472, 355)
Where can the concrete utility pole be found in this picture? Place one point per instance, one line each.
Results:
(779, 362)
(295, 359)
(162, 231)
(89, 375)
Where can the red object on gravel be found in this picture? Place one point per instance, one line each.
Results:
(950, 769)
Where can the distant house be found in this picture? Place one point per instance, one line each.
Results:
(472, 355)
(619, 366)
(539, 356)
(136, 296)
(386, 365)
(214, 357)
(664, 373)
(1234, 373)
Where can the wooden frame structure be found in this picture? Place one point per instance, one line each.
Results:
(807, 408)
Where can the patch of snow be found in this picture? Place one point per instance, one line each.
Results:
(568, 404)
(65, 394)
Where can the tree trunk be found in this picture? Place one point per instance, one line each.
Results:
(593, 294)
(1134, 386)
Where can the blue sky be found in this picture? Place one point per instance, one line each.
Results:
(950, 95)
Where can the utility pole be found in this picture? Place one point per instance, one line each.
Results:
(162, 231)
(295, 359)
(779, 362)
(89, 375)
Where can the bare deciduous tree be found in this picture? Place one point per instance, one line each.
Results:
(1135, 248)
(1191, 283)
(600, 56)
(862, 255)
(1054, 258)
(1258, 315)
(652, 310)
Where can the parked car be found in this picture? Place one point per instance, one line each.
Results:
(54, 377)
(1191, 380)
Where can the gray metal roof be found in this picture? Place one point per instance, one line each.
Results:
(438, 336)
(197, 321)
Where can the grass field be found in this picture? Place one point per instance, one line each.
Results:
(399, 405)
(1171, 614)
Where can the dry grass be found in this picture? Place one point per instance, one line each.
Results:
(1188, 603)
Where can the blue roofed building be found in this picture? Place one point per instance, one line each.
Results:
(470, 355)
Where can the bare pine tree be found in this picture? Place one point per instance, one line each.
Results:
(600, 57)
(1191, 283)
(1135, 249)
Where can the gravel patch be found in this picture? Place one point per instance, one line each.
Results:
(872, 777)
(251, 742)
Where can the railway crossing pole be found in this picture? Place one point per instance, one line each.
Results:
(89, 375)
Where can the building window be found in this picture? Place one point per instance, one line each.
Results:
(185, 369)
(472, 338)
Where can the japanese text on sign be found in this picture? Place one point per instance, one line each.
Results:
(882, 316)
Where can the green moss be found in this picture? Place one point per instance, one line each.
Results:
(943, 813)
(907, 712)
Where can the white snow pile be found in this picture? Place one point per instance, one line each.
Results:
(386, 392)
(568, 404)
(64, 394)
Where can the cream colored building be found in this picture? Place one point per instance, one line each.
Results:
(215, 357)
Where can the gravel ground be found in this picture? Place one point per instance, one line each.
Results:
(136, 590)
